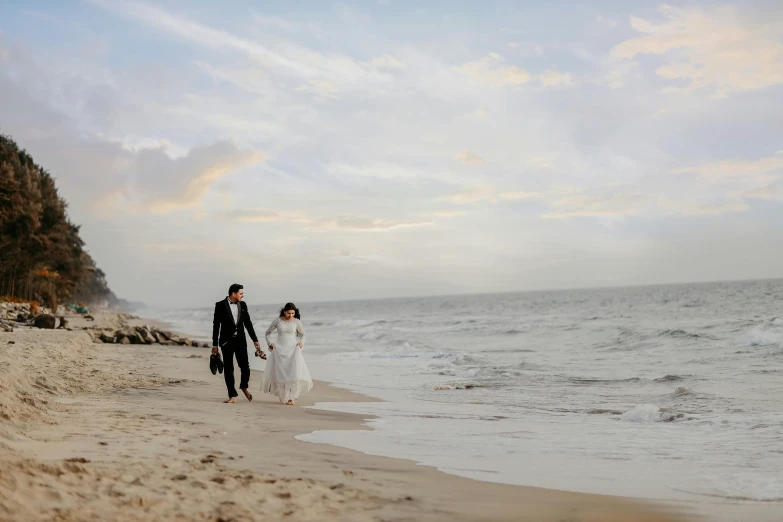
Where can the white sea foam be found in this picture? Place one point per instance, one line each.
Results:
(769, 334)
(649, 413)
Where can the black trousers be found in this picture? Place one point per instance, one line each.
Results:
(229, 351)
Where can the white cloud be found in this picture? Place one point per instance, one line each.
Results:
(323, 73)
(519, 195)
(386, 62)
(470, 158)
(352, 258)
(365, 224)
(383, 171)
(343, 222)
(716, 208)
(320, 89)
(605, 205)
(540, 162)
(266, 216)
(721, 171)
(710, 49)
(491, 69)
(487, 194)
(201, 34)
(618, 73)
(162, 184)
(631, 201)
(448, 213)
(471, 195)
(276, 22)
(551, 78)
(769, 192)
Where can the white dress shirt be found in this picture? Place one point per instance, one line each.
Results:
(234, 310)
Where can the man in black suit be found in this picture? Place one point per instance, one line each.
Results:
(228, 332)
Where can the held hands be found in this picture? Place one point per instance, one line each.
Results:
(214, 349)
(259, 353)
(299, 345)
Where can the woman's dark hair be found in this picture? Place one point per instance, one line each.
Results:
(234, 288)
(290, 306)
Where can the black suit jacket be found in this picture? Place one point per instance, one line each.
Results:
(223, 326)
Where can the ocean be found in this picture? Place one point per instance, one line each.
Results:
(660, 392)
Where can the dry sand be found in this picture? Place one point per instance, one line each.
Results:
(117, 432)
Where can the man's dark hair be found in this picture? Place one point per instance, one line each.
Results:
(234, 288)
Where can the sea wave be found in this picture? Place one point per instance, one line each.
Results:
(681, 391)
(602, 411)
(352, 324)
(371, 335)
(465, 360)
(650, 413)
(678, 334)
(458, 386)
(769, 333)
(669, 378)
(587, 381)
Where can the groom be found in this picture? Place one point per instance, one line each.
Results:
(228, 332)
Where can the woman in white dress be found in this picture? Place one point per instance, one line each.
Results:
(286, 374)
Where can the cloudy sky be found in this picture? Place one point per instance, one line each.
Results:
(337, 150)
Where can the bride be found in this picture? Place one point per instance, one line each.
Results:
(286, 374)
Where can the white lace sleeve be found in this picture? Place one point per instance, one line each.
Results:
(300, 332)
(272, 328)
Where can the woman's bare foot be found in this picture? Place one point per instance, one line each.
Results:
(291, 403)
(232, 400)
(247, 394)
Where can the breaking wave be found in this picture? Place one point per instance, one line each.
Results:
(650, 413)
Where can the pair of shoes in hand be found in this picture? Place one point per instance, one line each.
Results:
(215, 364)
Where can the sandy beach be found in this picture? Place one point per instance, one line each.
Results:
(115, 432)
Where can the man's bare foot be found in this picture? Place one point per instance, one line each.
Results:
(247, 394)
(231, 400)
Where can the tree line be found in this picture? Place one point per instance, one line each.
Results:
(42, 257)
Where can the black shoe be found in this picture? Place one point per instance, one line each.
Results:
(215, 363)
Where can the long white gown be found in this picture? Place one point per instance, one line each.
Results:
(286, 374)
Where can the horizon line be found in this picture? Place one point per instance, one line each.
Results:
(528, 291)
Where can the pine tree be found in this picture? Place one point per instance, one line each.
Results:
(42, 257)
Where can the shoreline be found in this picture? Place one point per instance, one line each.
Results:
(162, 412)
(717, 509)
